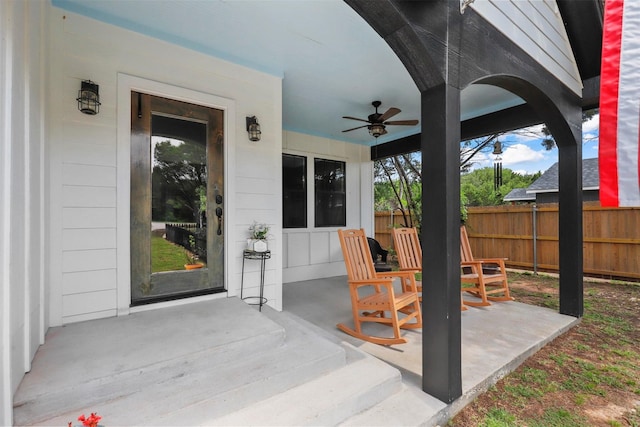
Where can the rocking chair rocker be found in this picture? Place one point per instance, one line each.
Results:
(487, 276)
(381, 304)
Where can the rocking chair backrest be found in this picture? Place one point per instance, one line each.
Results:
(465, 248)
(407, 246)
(357, 256)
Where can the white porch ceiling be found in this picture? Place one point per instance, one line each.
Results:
(332, 62)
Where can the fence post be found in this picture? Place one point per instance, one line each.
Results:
(535, 240)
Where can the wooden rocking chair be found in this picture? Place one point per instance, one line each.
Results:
(488, 275)
(381, 304)
(409, 253)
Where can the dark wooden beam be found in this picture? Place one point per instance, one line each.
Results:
(591, 93)
(441, 336)
(505, 120)
(570, 249)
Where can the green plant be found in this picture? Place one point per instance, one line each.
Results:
(190, 256)
(258, 231)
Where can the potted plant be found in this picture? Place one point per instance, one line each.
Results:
(258, 233)
(190, 257)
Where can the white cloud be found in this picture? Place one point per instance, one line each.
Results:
(592, 124)
(533, 133)
(521, 153)
(591, 129)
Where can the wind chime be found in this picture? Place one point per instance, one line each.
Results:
(497, 165)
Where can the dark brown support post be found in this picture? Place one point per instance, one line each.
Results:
(441, 334)
(570, 228)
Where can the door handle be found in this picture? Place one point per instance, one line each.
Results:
(219, 215)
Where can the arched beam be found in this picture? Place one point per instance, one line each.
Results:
(444, 52)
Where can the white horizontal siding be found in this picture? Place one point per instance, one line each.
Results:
(83, 196)
(77, 239)
(87, 260)
(89, 169)
(89, 302)
(89, 175)
(88, 218)
(89, 281)
(536, 26)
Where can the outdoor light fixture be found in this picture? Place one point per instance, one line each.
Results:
(88, 98)
(377, 129)
(253, 128)
(497, 149)
(497, 165)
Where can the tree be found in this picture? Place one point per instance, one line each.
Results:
(400, 176)
(477, 186)
(179, 175)
(398, 179)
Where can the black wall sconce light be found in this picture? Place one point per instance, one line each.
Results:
(88, 98)
(253, 128)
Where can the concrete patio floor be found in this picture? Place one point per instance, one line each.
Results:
(495, 339)
(110, 356)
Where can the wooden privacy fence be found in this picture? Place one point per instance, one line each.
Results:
(528, 236)
(384, 222)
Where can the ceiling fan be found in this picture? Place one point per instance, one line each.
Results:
(378, 122)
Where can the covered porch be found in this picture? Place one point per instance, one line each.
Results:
(222, 362)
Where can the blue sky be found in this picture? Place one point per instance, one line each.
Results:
(523, 152)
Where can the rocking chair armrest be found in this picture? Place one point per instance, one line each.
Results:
(402, 273)
(407, 279)
(492, 260)
(386, 283)
(471, 263)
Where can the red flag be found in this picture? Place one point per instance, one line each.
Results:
(620, 105)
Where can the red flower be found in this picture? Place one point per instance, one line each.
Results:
(91, 421)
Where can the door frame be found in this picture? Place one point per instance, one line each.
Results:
(125, 84)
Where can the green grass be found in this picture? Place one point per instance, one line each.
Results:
(558, 417)
(499, 418)
(598, 362)
(165, 256)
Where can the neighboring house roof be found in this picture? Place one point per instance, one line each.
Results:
(548, 182)
(519, 195)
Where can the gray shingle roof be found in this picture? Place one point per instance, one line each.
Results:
(519, 195)
(548, 182)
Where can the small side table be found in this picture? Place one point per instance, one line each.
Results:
(262, 256)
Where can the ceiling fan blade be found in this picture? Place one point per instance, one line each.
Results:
(359, 127)
(402, 122)
(390, 113)
(355, 118)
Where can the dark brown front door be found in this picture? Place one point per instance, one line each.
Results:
(177, 200)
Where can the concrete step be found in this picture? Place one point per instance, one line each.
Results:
(78, 368)
(328, 400)
(264, 374)
(198, 386)
(408, 407)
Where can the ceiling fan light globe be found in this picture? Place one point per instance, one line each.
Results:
(376, 130)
